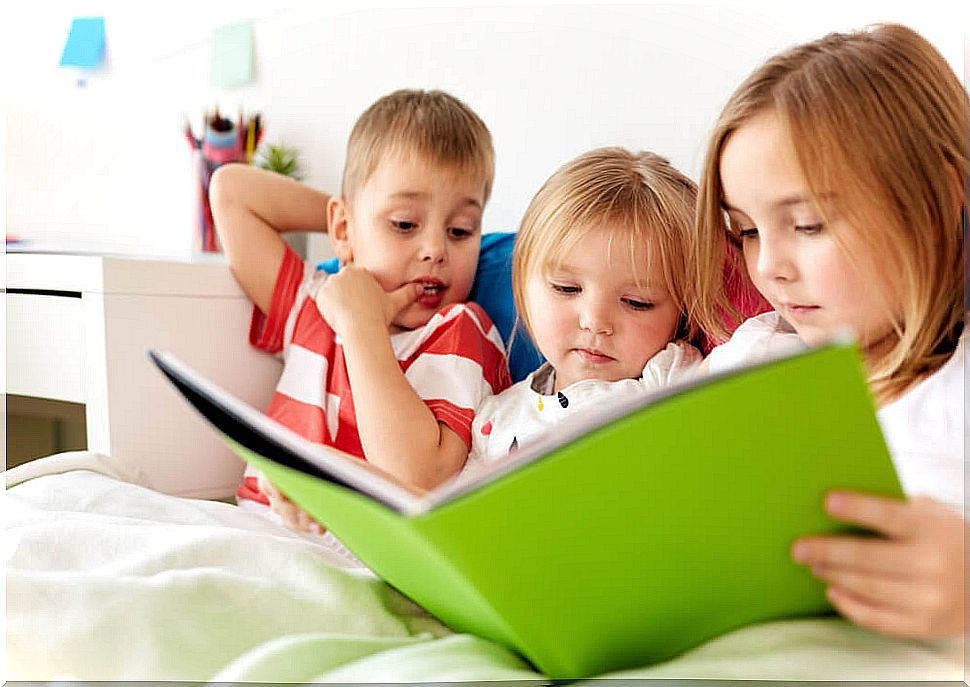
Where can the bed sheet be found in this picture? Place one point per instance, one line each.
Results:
(108, 580)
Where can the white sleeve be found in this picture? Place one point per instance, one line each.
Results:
(478, 439)
(674, 363)
(478, 454)
(758, 339)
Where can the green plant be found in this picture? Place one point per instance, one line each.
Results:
(281, 159)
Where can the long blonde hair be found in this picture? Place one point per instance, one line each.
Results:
(879, 115)
(645, 201)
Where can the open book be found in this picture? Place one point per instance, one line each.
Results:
(638, 533)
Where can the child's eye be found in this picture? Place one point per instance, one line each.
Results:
(809, 229)
(638, 305)
(459, 232)
(403, 225)
(564, 289)
(748, 233)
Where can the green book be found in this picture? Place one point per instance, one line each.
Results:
(628, 538)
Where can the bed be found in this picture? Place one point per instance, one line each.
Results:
(109, 579)
(114, 572)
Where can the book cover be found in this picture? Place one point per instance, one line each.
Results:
(625, 540)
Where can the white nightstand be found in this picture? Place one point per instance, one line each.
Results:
(78, 327)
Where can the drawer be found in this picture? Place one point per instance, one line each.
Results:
(45, 346)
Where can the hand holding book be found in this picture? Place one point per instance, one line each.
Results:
(291, 514)
(882, 583)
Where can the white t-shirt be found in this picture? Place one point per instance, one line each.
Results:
(925, 428)
(530, 408)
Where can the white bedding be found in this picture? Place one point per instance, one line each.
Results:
(107, 580)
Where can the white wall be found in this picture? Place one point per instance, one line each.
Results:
(105, 167)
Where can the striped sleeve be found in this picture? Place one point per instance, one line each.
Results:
(459, 365)
(266, 331)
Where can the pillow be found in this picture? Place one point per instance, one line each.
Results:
(492, 290)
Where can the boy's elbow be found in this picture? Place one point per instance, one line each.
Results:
(429, 475)
(418, 477)
(225, 184)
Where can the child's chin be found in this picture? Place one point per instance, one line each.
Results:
(813, 336)
(413, 318)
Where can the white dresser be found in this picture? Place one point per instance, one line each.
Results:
(77, 330)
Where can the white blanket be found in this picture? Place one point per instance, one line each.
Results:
(111, 581)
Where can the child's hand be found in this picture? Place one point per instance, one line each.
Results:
(291, 514)
(910, 581)
(353, 296)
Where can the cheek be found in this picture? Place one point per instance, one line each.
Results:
(750, 256)
(543, 324)
(387, 267)
(837, 281)
(865, 300)
(370, 254)
(465, 268)
(828, 268)
(653, 333)
(550, 324)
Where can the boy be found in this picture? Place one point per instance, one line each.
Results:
(383, 360)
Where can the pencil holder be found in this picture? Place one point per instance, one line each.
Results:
(223, 141)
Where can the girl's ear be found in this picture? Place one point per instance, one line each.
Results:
(338, 229)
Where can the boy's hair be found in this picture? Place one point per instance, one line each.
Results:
(432, 125)
(879, 116)
(640, 198)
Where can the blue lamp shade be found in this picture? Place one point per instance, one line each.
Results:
(493, 291)
(85, 43)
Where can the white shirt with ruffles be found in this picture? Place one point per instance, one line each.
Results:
(531, 409)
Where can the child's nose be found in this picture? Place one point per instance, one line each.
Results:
(595, 318)
(774, 259)
(434, 247)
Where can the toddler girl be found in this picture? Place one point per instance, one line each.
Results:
(839, 169)
(599, 279)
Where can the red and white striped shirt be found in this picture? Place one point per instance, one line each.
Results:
(454, 362)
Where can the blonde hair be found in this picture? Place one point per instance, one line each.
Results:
(879, 115)
(640, 196)
(432, 125)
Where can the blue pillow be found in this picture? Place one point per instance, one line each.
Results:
(493, 291)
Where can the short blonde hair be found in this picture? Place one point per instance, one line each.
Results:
(640, 196)
(879, 115)
(432, 125)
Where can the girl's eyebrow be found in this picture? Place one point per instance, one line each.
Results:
(649, 289)
(787, 201)
(564, 270)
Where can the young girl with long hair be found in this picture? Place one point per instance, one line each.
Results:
(839, 171)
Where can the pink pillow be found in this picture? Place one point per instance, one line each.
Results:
(743, 296)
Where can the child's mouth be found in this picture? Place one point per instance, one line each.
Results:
(591, 355)
(432, 293)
